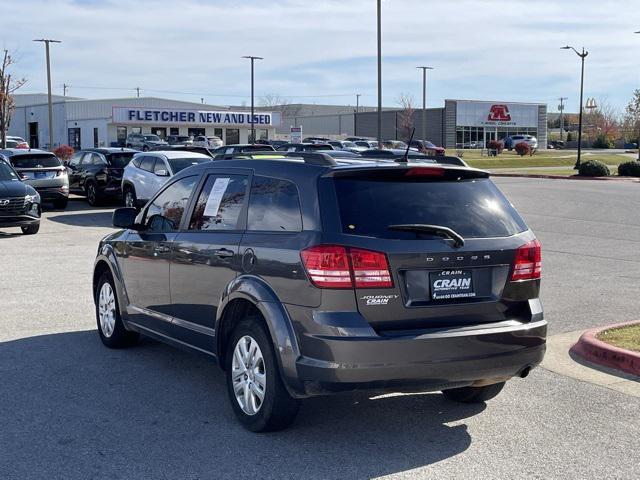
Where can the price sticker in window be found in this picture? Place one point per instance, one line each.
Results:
(215, 197)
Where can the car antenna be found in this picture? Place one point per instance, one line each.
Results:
(405, 157)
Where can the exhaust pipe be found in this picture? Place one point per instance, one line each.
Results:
(525, 371)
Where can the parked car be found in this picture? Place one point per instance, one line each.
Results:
(511, 142)
(19, 201)
(146, 173)
(43, 171)
(357, 139)
(316, 140)
(96, 173)
(426, 147)
(559, 144)
(16, 142)
(179, 140)
(144, 141)
(209, 142)
(345, 145)
(304, 147)
(366, 143)
(403, 279)
(397, 144)
(393, 153)
(228, 151)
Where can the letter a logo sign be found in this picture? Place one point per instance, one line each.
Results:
(499, 113)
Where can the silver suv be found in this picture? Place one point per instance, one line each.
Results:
(144, 141)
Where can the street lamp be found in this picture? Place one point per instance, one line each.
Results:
(424, 101)
(638, 120)
(582, 57)
(46, 42)
(379, 11)
(253, 130)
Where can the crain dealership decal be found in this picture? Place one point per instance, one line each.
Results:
(484, 114)
(499, 113)
(379, 299)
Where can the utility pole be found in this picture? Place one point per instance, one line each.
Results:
(582, 57)
(357, 102)
(138, 92)
(424, 101)
(253, 130)
(46, 42)
(561, 108)
(64, 89)
(379, 73)
(639, 133)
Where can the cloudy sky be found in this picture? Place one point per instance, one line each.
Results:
(324, 51)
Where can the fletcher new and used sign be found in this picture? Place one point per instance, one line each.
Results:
(158, 116)
(482, 114)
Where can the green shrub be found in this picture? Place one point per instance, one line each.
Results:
(593, 168)
(629, 169)
(522, 149)
(569, 137)
(602, 141)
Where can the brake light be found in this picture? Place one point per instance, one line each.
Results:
(334, 266)
(528, 264)
(425, 172)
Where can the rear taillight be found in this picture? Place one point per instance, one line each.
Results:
(23, 146)
(334, 266)
(425, 172)
(60, 173)
(528, 264)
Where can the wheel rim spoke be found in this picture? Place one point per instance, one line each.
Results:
(248, 375)
(107, 310)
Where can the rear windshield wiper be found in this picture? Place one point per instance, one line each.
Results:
(438, 230)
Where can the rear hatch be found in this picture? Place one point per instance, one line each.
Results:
(38, 167)
(450, 239)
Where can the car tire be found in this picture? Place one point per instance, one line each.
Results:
(474, 394)
(276, 409)
(31, 229)
(91, 192)
(145, 149)
(61, 204)
(111, 330)
(129, 197)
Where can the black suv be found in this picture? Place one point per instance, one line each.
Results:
(19, 202)
(305, 275)
(97, 172)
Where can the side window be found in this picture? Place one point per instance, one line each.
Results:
(98, 160)
(219, 203)
(229, 151)
(86, 159)
(274, 206)
(160, 166)
(166, 210)
(147, 163)
(136, 161)
(75, 160)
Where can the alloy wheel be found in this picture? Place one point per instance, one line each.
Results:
(248, 374)
(107, 310)
(128, 199)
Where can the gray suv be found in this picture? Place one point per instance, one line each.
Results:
(306, 275)
(144, 141)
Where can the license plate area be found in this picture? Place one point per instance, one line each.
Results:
(451, 284)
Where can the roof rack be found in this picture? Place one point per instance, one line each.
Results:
(314, 158)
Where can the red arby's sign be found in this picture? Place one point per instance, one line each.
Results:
(499, 113)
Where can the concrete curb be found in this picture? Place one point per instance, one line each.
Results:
(562, 177)
(601, 353)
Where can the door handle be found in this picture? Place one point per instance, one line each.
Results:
(223, 253)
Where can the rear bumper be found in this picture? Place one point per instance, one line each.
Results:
(53, 193)
(433, 360)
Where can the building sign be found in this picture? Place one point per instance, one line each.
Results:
(296, 134)
(483, 114)
(159, 116)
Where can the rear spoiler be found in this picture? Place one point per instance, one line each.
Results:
(433, 170)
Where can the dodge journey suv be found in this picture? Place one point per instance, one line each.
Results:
(306, 275)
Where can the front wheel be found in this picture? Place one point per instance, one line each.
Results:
(92, 194)
(258, 396)
(129, 197)
(31, 229)
(110, 326)
(474, 394)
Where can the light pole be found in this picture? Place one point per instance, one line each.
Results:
(357, 102)
(253, 130)
(561, 108)
(379, 73)
(638, 120)
(424, 101)
(46, 42)
(582, 57)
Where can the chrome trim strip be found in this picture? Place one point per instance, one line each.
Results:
(176, 321)
(172, 339)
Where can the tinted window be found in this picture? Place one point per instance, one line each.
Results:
(147, 163)
(159, 166)
(178, 164)
(165, 212)
(274, 206)
(35, 161)
(152, 138)
(474, 208)
(120, 160)
(219, 203)
(75, 160)
(136, 161)
(97, 159)
(6, 172)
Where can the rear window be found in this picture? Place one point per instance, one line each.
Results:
(120, 160)
(178, 164)
(474, 208)
(274, 206)
(35, 161)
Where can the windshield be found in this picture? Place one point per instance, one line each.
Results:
(178, 164)
(35, 161)
(474, 208)
(6, 172)
(428, 144)
(120, 160)
(152, 138)
(348, 144)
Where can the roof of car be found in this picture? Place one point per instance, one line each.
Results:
(109, 150)
(14, 152)
(171, 154)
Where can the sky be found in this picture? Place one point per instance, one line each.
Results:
(325, 51)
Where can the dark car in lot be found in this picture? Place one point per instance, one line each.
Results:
(96, 173)
(43, 171)
(228, 151)
(310, 275)
(304, 147)
(19, 202)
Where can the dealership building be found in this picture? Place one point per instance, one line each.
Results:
(84, 123)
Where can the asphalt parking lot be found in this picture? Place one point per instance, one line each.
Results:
(70, 408)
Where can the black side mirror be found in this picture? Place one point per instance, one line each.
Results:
(125, 217)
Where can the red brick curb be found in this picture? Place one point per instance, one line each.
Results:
(601, 353)
(561, 177)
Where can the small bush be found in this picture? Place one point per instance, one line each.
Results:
(522, 149)
(64, 152)
(593, 168)
(629, 169)
(602, 141)
(495, 147)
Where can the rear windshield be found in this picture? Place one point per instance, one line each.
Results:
(178, 164)
(474, 208)
(120, 160)
(35, 161)
(256, 148)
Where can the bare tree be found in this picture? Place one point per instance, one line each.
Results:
(280, 104)
(8, 85)
(406, 119)
(603, 120)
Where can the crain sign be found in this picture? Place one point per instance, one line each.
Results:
(499, 113)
